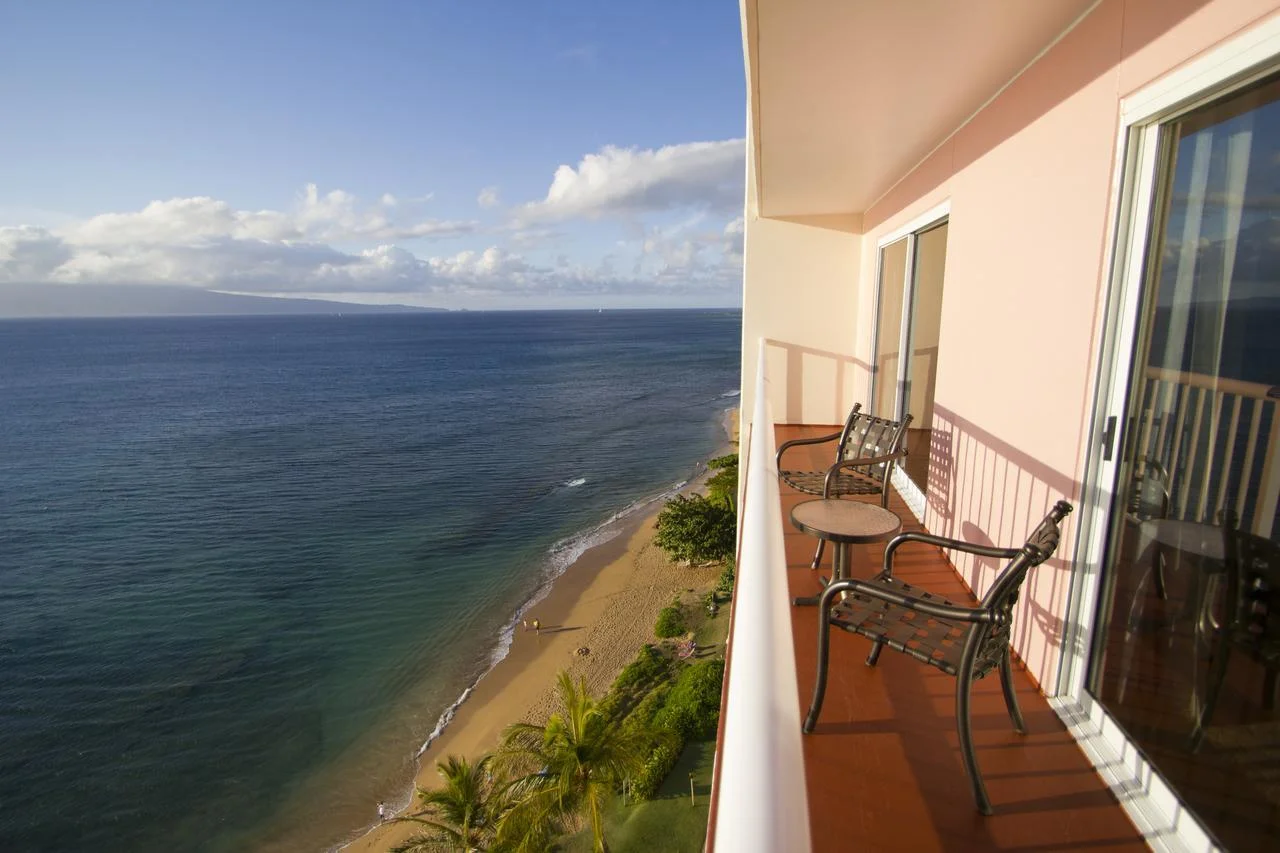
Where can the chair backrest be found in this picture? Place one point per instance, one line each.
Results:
(1149, 490)
(866, 436)
(1003, 594)
(1253, 588)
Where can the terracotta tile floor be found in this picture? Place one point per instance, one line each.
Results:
(883, 765)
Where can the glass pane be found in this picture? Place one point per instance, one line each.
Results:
(1188, 647)
(922, 365)
(893, 275)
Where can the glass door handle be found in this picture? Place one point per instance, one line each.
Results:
(1108, 438)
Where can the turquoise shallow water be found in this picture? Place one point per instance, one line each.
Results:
(247, 563)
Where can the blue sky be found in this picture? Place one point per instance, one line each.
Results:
(460, 154)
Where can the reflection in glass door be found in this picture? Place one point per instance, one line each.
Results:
(908, 320)
(893, 280)
(1187, 644)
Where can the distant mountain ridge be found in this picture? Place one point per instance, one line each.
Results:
(146, 300)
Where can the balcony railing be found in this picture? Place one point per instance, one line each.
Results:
(760, 803)
(1219, 439)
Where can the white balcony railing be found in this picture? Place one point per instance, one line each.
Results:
(760, 802)
(1219, 438)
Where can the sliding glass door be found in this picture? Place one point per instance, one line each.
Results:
(908, 321)
(1186, 645)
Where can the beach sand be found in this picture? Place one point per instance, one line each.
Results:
(608, 602)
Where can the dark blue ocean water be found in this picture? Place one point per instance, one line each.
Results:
(246, 563)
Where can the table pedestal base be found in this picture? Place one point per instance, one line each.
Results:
(840, 559)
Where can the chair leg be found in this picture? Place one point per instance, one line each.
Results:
(964, 681)
(1217, 675)
(874, 654)
(817, 557)
(824, 648)
(1011, 697)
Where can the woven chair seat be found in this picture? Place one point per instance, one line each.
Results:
(846, 482)
(937, 642)
(966, 641)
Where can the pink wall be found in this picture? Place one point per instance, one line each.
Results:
(1030, 184)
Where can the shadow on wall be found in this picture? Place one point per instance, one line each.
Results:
(830, 381)
(983, 489)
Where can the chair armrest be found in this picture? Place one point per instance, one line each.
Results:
(943, 542)
(951, 612)
(795, 442)
(863, 462)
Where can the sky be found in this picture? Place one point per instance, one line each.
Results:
(536, 154)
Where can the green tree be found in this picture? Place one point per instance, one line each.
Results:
(463, 815)
(696, 529)
(572, 766)
(723, 485)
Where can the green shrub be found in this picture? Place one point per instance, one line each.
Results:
(660, 743)
(647, 669)
(696, 529)
(724, 584)
(670, 622)
(722, 488)
(638, 679)
(656, 767)
(641, 716)
(692, 708)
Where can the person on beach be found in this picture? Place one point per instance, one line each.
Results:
(537, 627)
(382, 810)
(525, 623)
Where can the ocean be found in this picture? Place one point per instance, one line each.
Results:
(247, 564)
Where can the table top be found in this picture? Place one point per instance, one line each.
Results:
(1190, 537)
(845, 521)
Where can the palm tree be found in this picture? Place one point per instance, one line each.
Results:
(572, 765)
(465, 814)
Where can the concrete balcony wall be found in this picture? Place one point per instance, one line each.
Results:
(1030, 181)
(800, 292)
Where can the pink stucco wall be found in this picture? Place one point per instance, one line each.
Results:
(1030, 183)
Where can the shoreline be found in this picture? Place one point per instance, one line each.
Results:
(522, 685)
(605, 600)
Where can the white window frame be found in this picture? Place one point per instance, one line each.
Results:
(912, 494)
(1152, 805)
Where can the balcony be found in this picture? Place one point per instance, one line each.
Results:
(883, 769)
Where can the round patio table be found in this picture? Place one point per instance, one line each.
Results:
(843, 523)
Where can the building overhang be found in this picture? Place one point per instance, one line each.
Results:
(845, 97)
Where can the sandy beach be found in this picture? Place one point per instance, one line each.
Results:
(607, 602)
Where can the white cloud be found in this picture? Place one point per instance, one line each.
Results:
(30, 254)
(332, 243)
(629, 181)
(490, 264)
(488, 197)
(335, 216)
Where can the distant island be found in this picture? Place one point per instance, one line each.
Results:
(146, 300)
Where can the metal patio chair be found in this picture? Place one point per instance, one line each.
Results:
(966, 642)
(1150, 499)
(1250, 617)
(866, 451)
